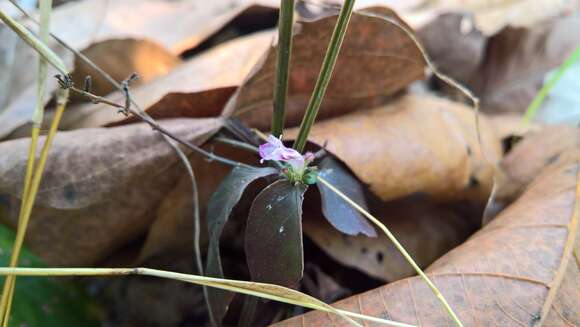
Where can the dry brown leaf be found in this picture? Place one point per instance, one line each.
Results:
(121, 58)
(417, 143)
(454, 45)
(100, 190)
(175, 25)
(376, 60)
(550, 145)
(492, 16)
(146, 36)
(519, 270)
(173, 225)
(197, 88)
(143, 36)
(510, 125)
(517, 61)
(426, 230)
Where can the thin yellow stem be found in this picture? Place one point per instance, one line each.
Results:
(37, 116)
(8, 289)
(30, 164)
(399, 247)
(6, 318)
(28, 205)
(266, 291)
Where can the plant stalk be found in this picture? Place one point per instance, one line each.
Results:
(29, 199)
(282, 65)
(37, 117)
(325, 74)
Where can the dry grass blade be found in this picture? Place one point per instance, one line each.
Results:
(266, 291)
(29, 38)
(33, 176)
(399, 247)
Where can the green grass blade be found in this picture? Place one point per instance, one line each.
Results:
(548, 86)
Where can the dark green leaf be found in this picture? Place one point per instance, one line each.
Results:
(337, 211)
(42, 301)
(219, 209)
(274, 234)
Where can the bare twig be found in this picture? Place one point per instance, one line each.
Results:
(66, 83)
(236, 143)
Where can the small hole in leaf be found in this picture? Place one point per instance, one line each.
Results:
(473, 182)
(380, 257)
(509, 142)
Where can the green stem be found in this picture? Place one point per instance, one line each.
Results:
(324, 75)
(547, 88)
(282, 65)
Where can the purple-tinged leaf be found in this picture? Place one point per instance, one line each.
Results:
(219, 209)
(338, 212)
(274, 234)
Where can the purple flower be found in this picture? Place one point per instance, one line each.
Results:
(275, 150)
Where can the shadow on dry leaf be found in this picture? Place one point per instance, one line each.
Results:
(518, 270)
(417, 143)
(105, 183)
(371, 46)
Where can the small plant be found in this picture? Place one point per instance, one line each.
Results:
(273, 240)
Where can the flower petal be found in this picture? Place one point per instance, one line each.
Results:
(275, 141)
(274, 149)
(266, 151)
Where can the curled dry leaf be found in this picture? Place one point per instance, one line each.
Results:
(200, 87)
(371, 46)
(175, 25)
(492, 16)
(550, 145)
(426, 230)
(518, 270)
(122, 37)
(417, 143)
(152, 35)
(105, 183)
(456, 47)
(517, 60)
(510, 125)
(121, 58)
